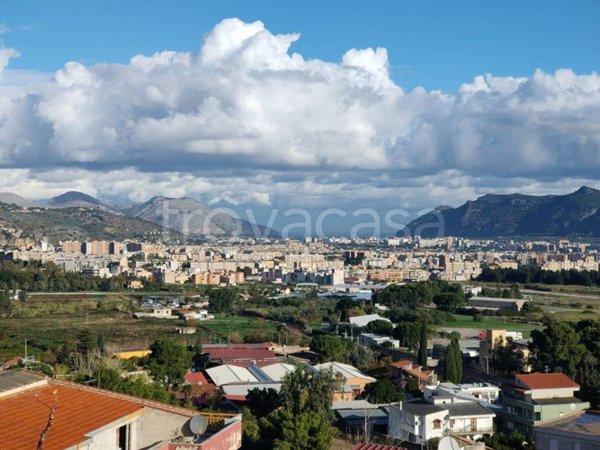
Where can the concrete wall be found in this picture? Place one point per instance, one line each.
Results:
(155, 426)
(547, 440)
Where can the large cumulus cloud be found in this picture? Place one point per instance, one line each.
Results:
(247, 115)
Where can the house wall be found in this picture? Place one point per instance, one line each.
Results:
(401, 424)
(485, 425)
(155, 426)
(559, 440)
(552, 393)
(426, 425)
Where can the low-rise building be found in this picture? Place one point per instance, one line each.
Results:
(379, 340)
(578, 432)
(40, 412)
(418, 421)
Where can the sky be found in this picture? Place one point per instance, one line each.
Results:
(285, 104)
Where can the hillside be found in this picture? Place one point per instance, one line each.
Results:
(80, 224)
(192, 218)
(74, 199)
(493, 215)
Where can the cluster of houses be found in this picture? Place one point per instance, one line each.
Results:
(60, 414)
(534, 404)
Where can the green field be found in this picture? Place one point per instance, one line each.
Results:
(466, 321)
(224, 325)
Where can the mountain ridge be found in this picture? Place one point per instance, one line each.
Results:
(505, 215)
(184, 215)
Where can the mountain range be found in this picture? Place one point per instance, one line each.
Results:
(514, 215)
(75, 215)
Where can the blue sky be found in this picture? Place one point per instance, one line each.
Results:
(438, 44)
(379, 104)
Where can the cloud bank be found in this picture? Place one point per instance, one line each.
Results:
(247, 115)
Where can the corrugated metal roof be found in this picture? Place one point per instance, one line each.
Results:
(14, 379)
(271, 372)
(227, 374)
(240, 354)
(346, 370)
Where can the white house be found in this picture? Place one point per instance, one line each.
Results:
(418, 421)
(371, 339)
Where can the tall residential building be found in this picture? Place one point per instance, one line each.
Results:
(539, 398)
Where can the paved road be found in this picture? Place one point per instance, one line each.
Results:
(560, 294)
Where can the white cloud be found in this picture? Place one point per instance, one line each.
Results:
(247, 115)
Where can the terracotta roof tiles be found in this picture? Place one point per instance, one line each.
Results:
(77, 413)
(546, 381)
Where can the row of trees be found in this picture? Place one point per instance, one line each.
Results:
(331, 347)
(35, 276)
(535, 274)
(447, 296)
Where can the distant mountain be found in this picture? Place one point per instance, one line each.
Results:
(80, 223)
(75, 215)
(74, 199)
(13, 199)
(493, 215)
(193, 218)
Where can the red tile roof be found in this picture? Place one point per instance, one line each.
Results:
(402, 363)
(421, 374)
(546, 380)
(377, 447)
(240, 354)
(195, 378)
(77, 412)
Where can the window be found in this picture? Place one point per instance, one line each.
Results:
(576, 446)
(473, 424)
(452, 422)
(437, 424)
(122, 437)
(553, 444)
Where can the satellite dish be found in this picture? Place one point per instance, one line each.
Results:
(448, 443)
(198, 425)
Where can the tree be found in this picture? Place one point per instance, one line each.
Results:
(380, 326)
(87, 342)
(304, 421)
(382, 391)
(261, 402)
(222, 300)
(449, 301)
(505, 359)
(5, 304)
(306, 430)
(423, 346)
(307, 390)
(100, 343)
(330, 347)
(360, 356)
(408, 334)
(169, 361)
(557, 348)
(453, 362)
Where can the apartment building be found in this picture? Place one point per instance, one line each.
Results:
(538, 398)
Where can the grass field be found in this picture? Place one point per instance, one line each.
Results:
(49, 331)
(466, 321)
(223, 325)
